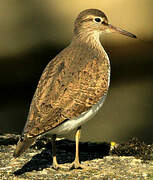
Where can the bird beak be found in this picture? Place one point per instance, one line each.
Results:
(121, 31)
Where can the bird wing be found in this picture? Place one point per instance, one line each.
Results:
(69, 86)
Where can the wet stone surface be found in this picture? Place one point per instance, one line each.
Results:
(129, 160)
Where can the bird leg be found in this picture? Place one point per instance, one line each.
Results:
(55, 163)
(76, 164)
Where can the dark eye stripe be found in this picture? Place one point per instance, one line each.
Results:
(104, 23)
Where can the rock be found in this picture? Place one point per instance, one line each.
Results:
(101, 164)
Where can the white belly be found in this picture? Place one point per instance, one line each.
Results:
(76, 122)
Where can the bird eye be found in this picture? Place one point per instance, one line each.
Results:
(98, 19)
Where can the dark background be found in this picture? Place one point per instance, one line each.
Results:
(33, 32)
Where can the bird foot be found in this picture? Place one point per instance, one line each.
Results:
(77, 165)
(57, 166)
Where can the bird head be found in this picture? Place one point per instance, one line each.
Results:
(95, 21)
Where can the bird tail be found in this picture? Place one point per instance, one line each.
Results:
(22, 145)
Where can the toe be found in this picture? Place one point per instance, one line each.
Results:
(77, 165)
(57, 166)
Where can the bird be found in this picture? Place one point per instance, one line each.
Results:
(72, 87)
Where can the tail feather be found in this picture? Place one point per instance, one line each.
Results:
(22, 145)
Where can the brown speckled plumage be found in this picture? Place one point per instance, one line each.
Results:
(70, 85)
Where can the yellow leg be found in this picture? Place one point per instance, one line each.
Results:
(76, 164)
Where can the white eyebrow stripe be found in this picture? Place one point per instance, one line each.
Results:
(90, 17)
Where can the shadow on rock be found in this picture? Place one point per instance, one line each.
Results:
(8, 139)
(65, 154)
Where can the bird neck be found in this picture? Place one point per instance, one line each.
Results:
(88, 39)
